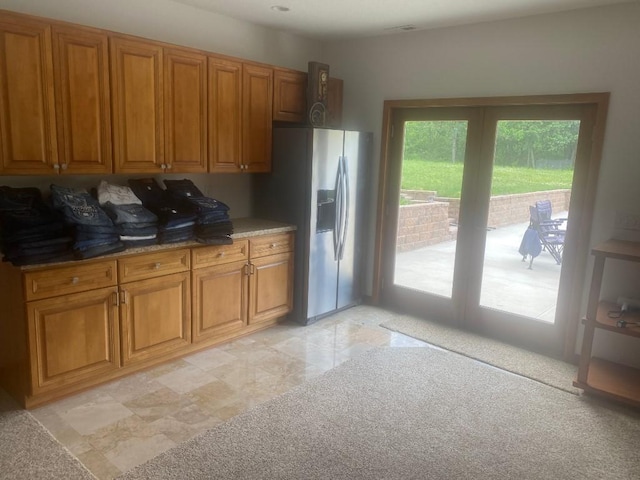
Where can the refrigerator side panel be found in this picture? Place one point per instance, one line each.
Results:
(323, 262)
(284, 195)
(357, 148)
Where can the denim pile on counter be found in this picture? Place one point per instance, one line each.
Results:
(75, 224)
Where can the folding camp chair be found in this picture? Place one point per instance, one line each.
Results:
(551, 231)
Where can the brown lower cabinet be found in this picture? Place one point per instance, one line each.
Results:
(72, 338)
(69, 327)
(155, 317)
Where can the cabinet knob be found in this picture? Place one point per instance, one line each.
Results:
(221, 254)
(169, 166)
(156, 265)
(274, 245)
(64, 166)
(163, 166)
(75, 280)
(56, 167)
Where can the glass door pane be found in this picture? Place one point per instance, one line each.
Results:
(428, 205)
(532, 174)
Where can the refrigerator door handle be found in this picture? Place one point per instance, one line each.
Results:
(338, 213)
(345, 208)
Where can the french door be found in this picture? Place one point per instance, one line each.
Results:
(457, 184)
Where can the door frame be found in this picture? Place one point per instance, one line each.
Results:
(575, 264)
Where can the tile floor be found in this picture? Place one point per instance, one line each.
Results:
(115, 427)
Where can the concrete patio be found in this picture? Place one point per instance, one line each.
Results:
(507, 283)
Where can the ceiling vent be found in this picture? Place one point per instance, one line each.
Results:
(404, 28)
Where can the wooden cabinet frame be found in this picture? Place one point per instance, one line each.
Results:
(27, 105)
(69, 327)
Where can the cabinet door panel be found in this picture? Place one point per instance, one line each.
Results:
(27, 116)
(51, 282)
(334, 103)
(156, 316)
(136, 79)
(73, 338)
(271, 287)
(257, 114)
(81, 64)
(265, 245)
(289, 96)
(219, 254)
(185, 81)
(219, 300)
(225, 115)
(149, 265)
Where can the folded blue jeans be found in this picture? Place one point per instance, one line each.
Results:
(78, 207)
(132, 213)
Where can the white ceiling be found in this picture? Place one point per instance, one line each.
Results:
(334, 19)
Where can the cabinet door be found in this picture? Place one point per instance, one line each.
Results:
(155, 316)
(289, 96)
(27, 116)
(81, 67)
(219, 300)
(136, 82)
(185, 111)
(73, 338)
(225, 115)
(257, 113)
(271, 287)
(334, 102)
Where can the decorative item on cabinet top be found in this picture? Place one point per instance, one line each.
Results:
(74, 224)
(317, 93)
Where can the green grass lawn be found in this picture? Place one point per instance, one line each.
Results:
(446, 178)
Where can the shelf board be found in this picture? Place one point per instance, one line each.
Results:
(614, 381)
(603, 321)
(619, 249)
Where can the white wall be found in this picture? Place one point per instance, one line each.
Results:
(583, 51)
(180, 24)
(592, 50)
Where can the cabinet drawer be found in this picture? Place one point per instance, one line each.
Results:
(271, 244)
(153, 265)
(62, 281)
(220, 254)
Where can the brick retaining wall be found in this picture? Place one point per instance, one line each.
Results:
(424, 224)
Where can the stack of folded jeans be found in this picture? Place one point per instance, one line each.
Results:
(212, 225)
(135, 224)
(95, 233)
(31, 231)
(175, 223)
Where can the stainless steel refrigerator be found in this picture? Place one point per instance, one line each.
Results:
(319, 182)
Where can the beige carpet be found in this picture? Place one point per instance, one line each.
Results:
(29, 452)
(414, 413)
(541, 368)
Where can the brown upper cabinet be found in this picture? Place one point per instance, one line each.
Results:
(185, 111)
(240, 116)
(289, 95)
(225, 115)
(81, 68)
(80, 100)
(27, 115)
(257, 115)
(138, 128)
(290, 98)
(334, 103)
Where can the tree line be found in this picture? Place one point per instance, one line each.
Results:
(520, 143)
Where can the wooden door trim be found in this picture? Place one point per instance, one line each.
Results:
(597, 101)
